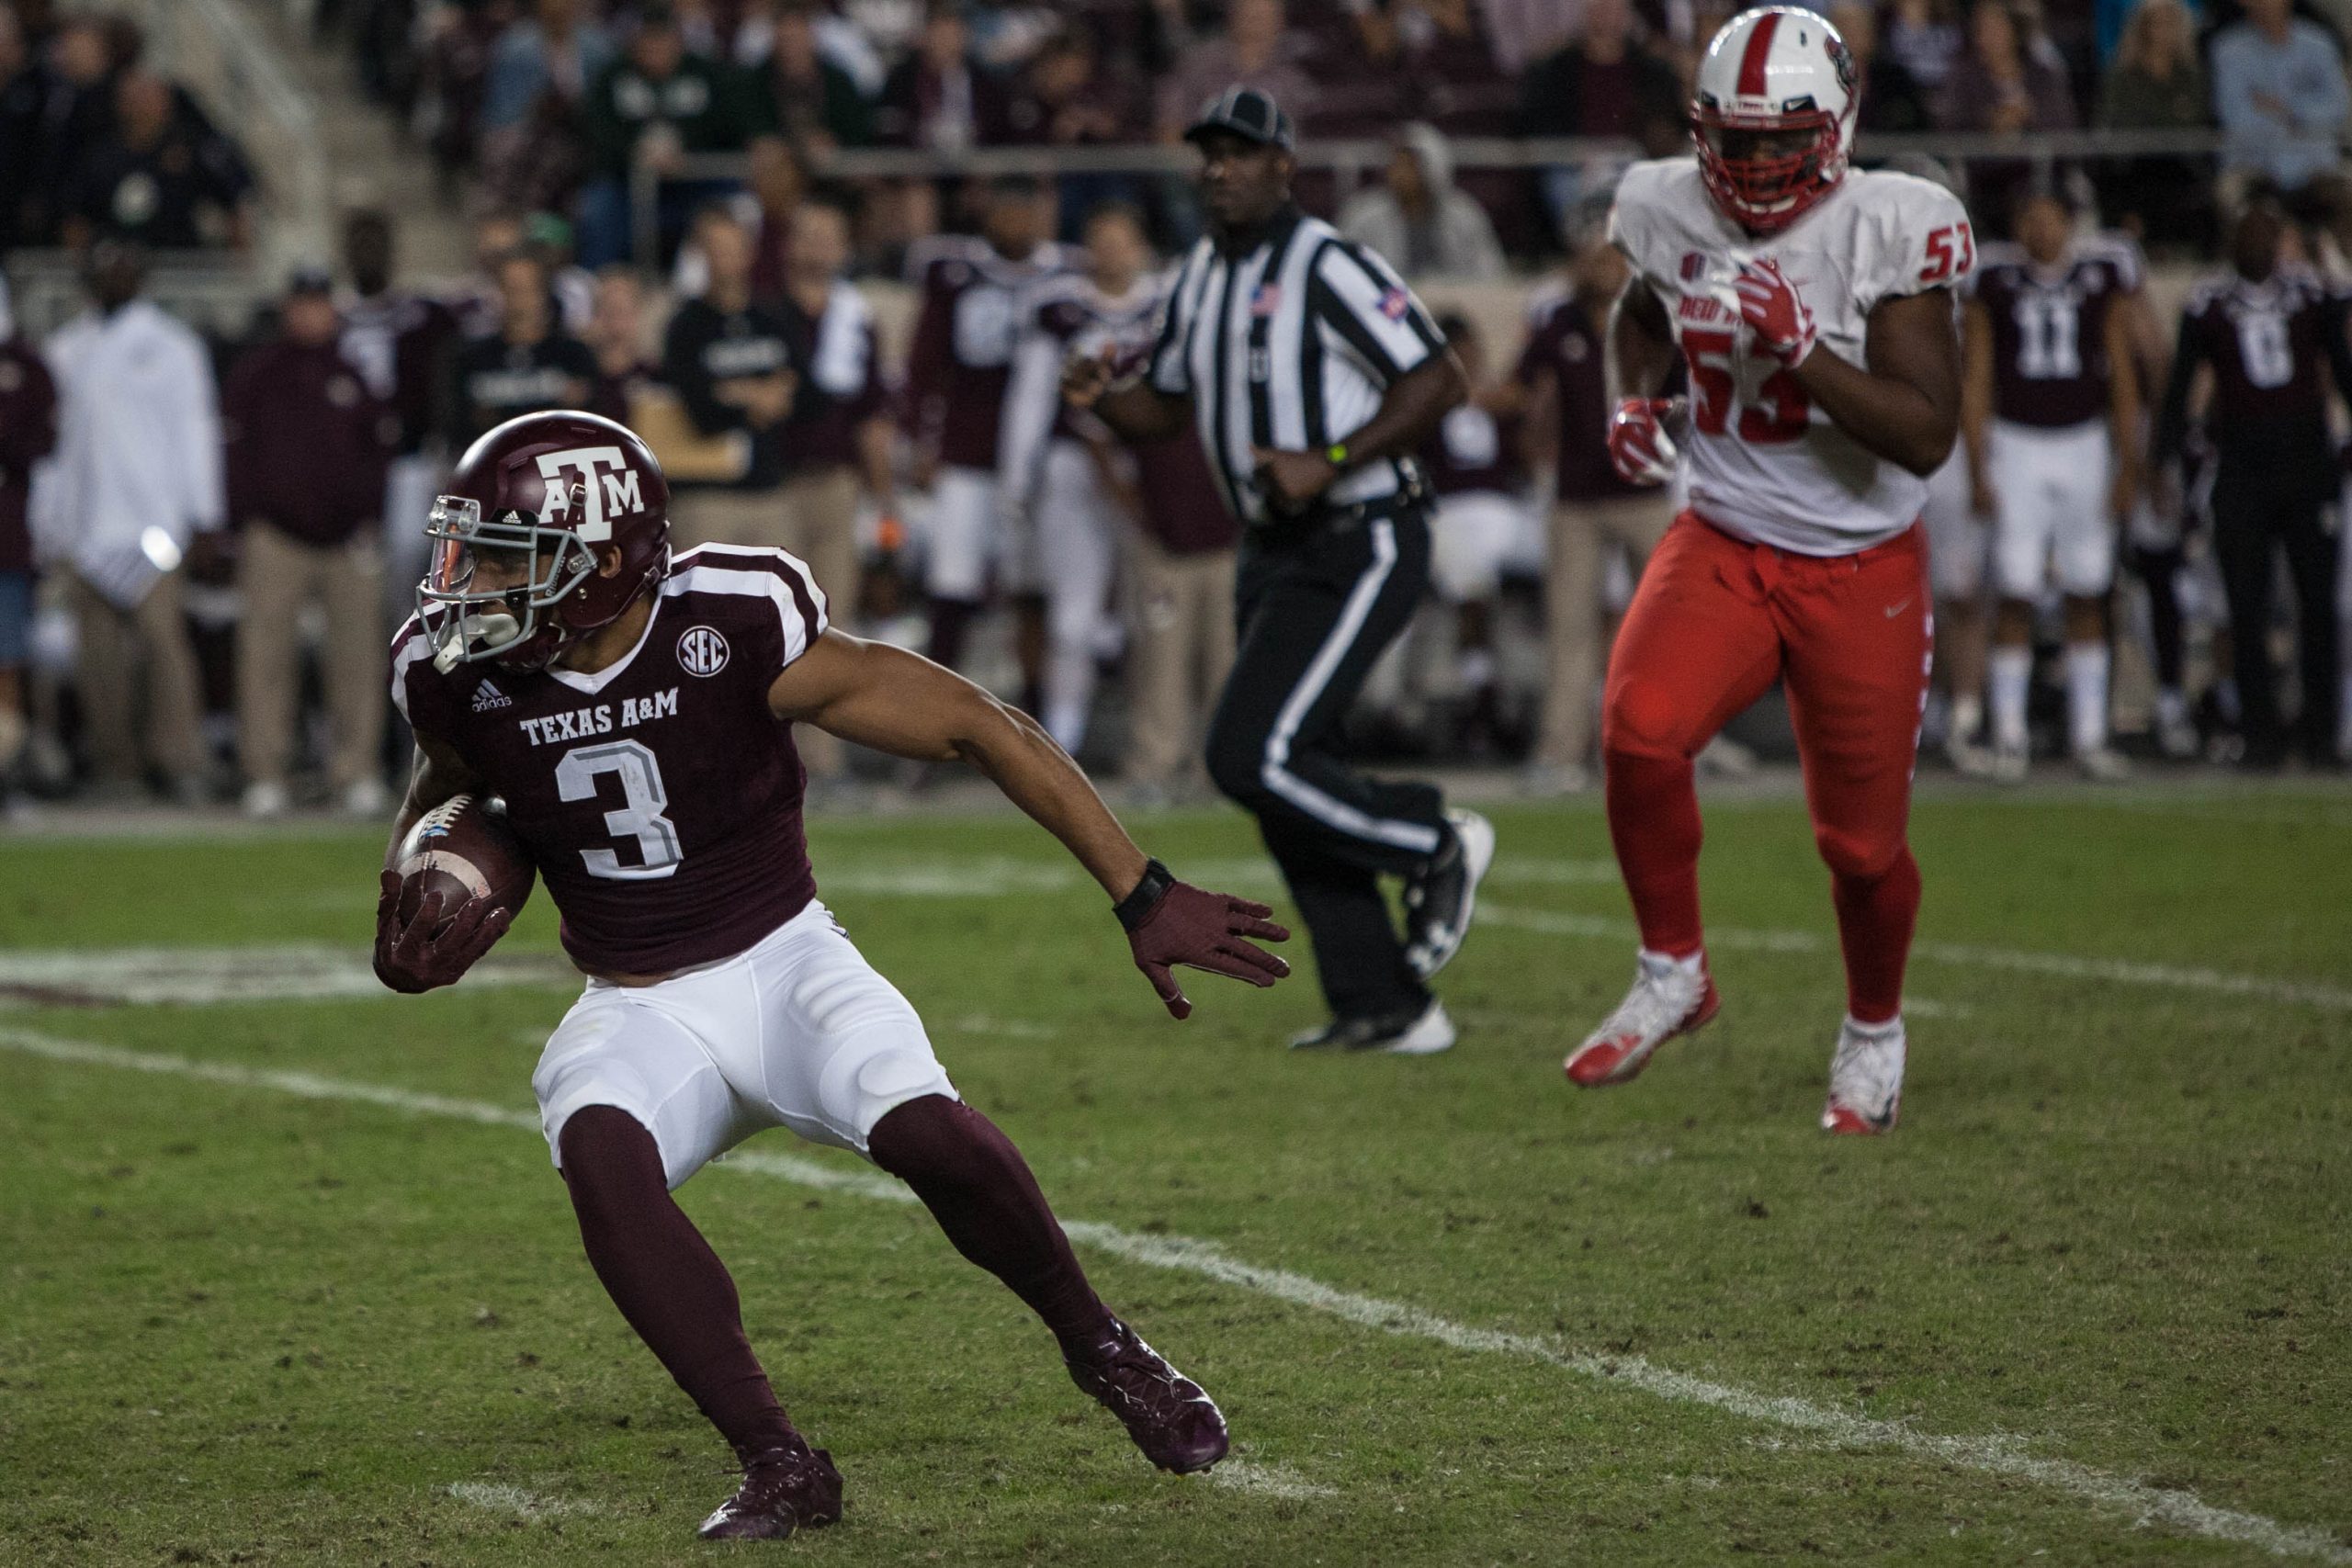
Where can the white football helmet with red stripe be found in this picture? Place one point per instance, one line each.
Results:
(1774, 115)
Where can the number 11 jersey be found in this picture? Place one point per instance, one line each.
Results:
(1764, 462)
(660, 797)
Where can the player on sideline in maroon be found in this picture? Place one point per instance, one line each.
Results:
(635, 711)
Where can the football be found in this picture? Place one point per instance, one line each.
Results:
(464, 850)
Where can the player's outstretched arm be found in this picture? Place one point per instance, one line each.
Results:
(1904, 404)
(901, 703)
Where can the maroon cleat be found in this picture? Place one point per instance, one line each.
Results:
(782, 1492)
(1177, 1426)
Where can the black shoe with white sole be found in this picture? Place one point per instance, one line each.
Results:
(1441, 898)
(1421, 1031)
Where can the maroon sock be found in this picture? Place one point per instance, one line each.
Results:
(950, 618)
(979, 1188)
(665, 1279)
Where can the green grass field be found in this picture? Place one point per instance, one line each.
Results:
(286, 1276)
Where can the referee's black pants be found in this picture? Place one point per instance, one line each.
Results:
(2262, 504)
(1315, 607)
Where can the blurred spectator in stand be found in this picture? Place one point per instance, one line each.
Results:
(134, 490)
(727, 357)
(476, 299)
(2279, 90)
(1922, 37)
(841, 430)
(1363, 87)
(1563, 373)
(933, 98)
(616, 336)
(1418, 220)
(308, 447)
(2156, 83)
(459, 41)
(154, 177)
(397, 340)
(533, 151)
(1891, 99)
(1466, 91)
(765, 208)
(77, 110)
(547, 239)
(528, 364)
(1254, 52)
(1072, 99)
(810, 100)
(1602, 83)
(2006, 87)
(27, 434)
(646, 111)
(1524, 31)
(23, 90)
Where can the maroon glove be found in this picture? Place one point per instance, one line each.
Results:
(1170, 922)
(423, 955)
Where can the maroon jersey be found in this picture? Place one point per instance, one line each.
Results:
(1565, 341)
(660, 797)
(1059, 317)
(397, 342)
(27, 434)
(2049, 328)
(962, 356)
(305, 442)
(1473, 450)
(2266, 342)
(844, 385)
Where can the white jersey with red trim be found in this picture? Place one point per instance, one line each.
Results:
(1764, 462)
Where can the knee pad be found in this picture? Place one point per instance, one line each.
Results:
(855, 1102)
(1642, 718)
(1862, 857)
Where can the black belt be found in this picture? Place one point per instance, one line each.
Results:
(1320, 515)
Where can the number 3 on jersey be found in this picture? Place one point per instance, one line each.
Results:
(1782, 414)
(640, 814)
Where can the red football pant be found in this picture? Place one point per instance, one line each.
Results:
(1714, 621)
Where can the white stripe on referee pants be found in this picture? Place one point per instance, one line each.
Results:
(1275, 771)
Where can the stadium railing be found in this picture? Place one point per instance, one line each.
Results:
(1352, 160)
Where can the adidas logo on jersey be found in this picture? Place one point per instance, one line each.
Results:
(487, 697)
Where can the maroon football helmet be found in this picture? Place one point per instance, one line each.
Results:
(552, 489)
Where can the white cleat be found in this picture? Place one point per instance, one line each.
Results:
(2103, 764)
(2009, 763)
(1969, 760)
(1865, 1078)
(1440, 901)
(1670, 996)
(264, 801)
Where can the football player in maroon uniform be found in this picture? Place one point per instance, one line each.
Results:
(636, 712)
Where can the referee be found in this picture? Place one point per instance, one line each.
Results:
(1312, 373)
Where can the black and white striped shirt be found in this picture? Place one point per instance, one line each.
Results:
(1290, 347)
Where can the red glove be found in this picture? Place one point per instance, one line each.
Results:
(1639, 447)
(1775, 313)
(1171, 922)
(422, 955)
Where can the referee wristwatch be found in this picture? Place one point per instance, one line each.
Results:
(1335, 454)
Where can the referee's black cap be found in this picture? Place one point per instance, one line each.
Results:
(1247, 113)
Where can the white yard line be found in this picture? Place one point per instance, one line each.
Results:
(2061, 966)
(107, 976)
(1997, 1455)
(1268, 1480)
(498, 1497)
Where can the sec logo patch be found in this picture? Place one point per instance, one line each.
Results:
(702, 650)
